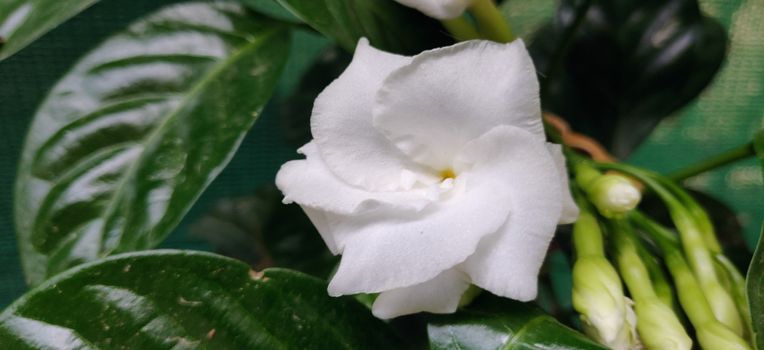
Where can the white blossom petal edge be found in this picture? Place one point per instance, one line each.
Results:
(439, 9)
(431, 173)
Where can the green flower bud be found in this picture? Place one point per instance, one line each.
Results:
(714, 335)
(613, 195)
(659, 327)
(598, 297)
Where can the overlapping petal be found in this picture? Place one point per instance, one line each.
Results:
(440, 9)
(569, 208)
(447, 97)
(384, 251)
(311, 184)
(438, 295)
(507, 263)
(342, 128)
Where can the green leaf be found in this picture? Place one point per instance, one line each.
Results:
(495, 323)
(755, 288)
(388, 25)
(297, 109)
(262, 231)
(23, 21)
(187, 300)
(271, 9)
(624, 66)
(758, 148)
(126, 142)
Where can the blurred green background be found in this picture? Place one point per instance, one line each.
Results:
(726, 115)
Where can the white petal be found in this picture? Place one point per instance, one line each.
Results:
(507, 263)
(439, 295)
(447, 97)
(310, 183)
(320, 220)
(439, 9)
(384, 251)
(341, 124)
(569, 208)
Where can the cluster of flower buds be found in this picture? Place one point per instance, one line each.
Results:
(706, 284)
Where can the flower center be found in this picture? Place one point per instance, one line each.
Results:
(446, 174)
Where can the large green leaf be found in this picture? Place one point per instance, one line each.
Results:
(495, 323)
(187, 300)
(755, 288)
(616, 69)
(127, 141)
(388, 25)
(23, 21)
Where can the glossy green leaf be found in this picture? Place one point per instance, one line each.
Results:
(755, 288)
(260, 230)
(495, 323)
(187, 300)
(23, 21)
(126, 142)
(614, 70)
(388, 25)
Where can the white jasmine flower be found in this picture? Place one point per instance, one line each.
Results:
(431, 172)
(439, 9)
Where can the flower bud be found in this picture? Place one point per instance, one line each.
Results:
(659, 327)
(598, 297)
(714, 335)
(613, 194)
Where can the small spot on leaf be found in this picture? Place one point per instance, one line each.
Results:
(184, 302)
(258, 276)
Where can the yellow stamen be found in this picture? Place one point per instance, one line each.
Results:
(447, 174)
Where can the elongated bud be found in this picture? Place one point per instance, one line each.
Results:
(657, 324)
(714, 335)
(659, 327)
(614, 195)
(598, 297)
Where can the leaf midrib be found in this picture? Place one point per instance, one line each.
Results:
(206, 79)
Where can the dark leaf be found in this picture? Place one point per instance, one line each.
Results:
(295, 112)
(126, 142)
(627, 65)
(496, 323)
(23, 21)
(187, 300)
(755, 288)
(264, 232)
(388, 25)
(271, 9)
